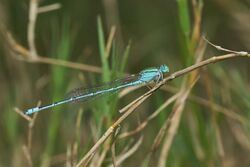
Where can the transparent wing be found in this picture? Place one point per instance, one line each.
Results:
(111, 86)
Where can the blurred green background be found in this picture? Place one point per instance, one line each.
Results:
(148, 33)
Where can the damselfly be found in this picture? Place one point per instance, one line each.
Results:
(143, 78)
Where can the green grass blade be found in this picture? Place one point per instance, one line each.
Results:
(184, 22)
(184, 17)
(102, 50)
(61, 49)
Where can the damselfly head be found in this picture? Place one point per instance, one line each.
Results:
(164, 68)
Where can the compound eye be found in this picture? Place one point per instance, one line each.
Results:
(164, 68)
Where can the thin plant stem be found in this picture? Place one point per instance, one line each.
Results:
(134, 104)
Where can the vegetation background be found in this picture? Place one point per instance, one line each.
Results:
(108, 39)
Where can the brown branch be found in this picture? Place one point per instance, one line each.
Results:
(92, 151)
(110, 130)
(173, 120)
(134, 104)
(110, 40)
(102, 156)
(127, 154)
(218, 108)
(21, 113)
(113, 156)
(49, 8)
(31, 123)
(27, 55)
(240, 135)
(27, 155)
(224, 49)
(197, 6)
(149, 118)
(79, 66)
(24, 55)
(31, 28)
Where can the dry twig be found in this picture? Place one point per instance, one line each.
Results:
(24, 55)
(216, 107)
(131, 151)
(133, 105)
(31, 28)
(31, 123)
(110, 40)
(49, 8)
(173, 121)
(144, 123)
(27, 155)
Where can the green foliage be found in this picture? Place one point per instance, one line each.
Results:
(185, 32)
(102, 51)
(62, 45)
